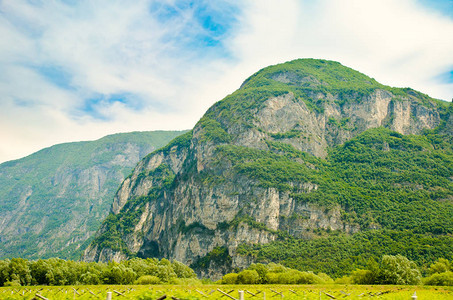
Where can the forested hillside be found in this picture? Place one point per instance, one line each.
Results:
(52, 201)
(309, 163)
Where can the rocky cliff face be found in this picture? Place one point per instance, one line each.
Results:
(53, 201)
(202, 192)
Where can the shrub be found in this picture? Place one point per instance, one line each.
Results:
(261, 270)
(15, 282)
(363, 277)
(309, 278)
(230, 278)
(272, 277)
(148, 279)
(440, 266)
(276, 268)
(344, 280)
(182, 271)
(445, 278)
(119, 274)
(297, 277)
(290, 277)
(185, 281)
(248, 277)
(90, 278)
(325, 278)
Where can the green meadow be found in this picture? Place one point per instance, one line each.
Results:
(333, 291)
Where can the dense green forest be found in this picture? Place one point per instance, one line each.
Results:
(339, 254)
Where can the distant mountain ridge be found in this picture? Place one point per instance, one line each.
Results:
(304, 150)
(52, 201)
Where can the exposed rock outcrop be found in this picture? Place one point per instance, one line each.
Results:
(186, 200)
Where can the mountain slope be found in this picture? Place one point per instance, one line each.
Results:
(52, 201)
(301, 148)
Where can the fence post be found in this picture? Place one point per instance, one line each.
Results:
(264, 295)
(241, 295)
(109, 296)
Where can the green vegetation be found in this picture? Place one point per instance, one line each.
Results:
(390, 270)
(312, 74)
(306, 79)
(286, 135)
(274, 274)
(21, 272)
(394, 190)
(268, 168)
(340, 254)
(198, 292)
(116, 226)
(181, 141)
(379, 178)
(396, 270)
(71, 184)
(441, 273)
(212, 131)
(218, 256)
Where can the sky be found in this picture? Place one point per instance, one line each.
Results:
(73, 70)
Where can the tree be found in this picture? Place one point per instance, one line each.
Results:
(272, 277)
(90, 278)
(360, 276)
(230, 278)
(182, 271)
(261, 270)
(119, 274)
(4, 271)
(444, 278)
(148, 279)
(39, 269)
(398, 270)
(248, 277)
(19, 270)
(440, 266)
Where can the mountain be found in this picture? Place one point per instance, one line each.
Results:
(54, 200)
(304, 158)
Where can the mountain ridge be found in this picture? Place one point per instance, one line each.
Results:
(51, 201)
(251, 170)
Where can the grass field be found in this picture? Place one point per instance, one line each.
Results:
(219, 291)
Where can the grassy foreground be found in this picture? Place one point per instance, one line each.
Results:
(215, 292)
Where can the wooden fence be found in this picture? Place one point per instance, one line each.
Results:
(110, 293)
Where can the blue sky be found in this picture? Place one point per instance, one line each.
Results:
(78, 70)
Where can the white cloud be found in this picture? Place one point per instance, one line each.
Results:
(105, 48)
(397, 42)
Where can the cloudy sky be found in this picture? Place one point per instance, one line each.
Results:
(75, 70)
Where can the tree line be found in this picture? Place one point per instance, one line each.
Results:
(54, 271)
(390, 270)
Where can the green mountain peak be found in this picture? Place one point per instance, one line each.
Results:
(310, 73)
(307, 150)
